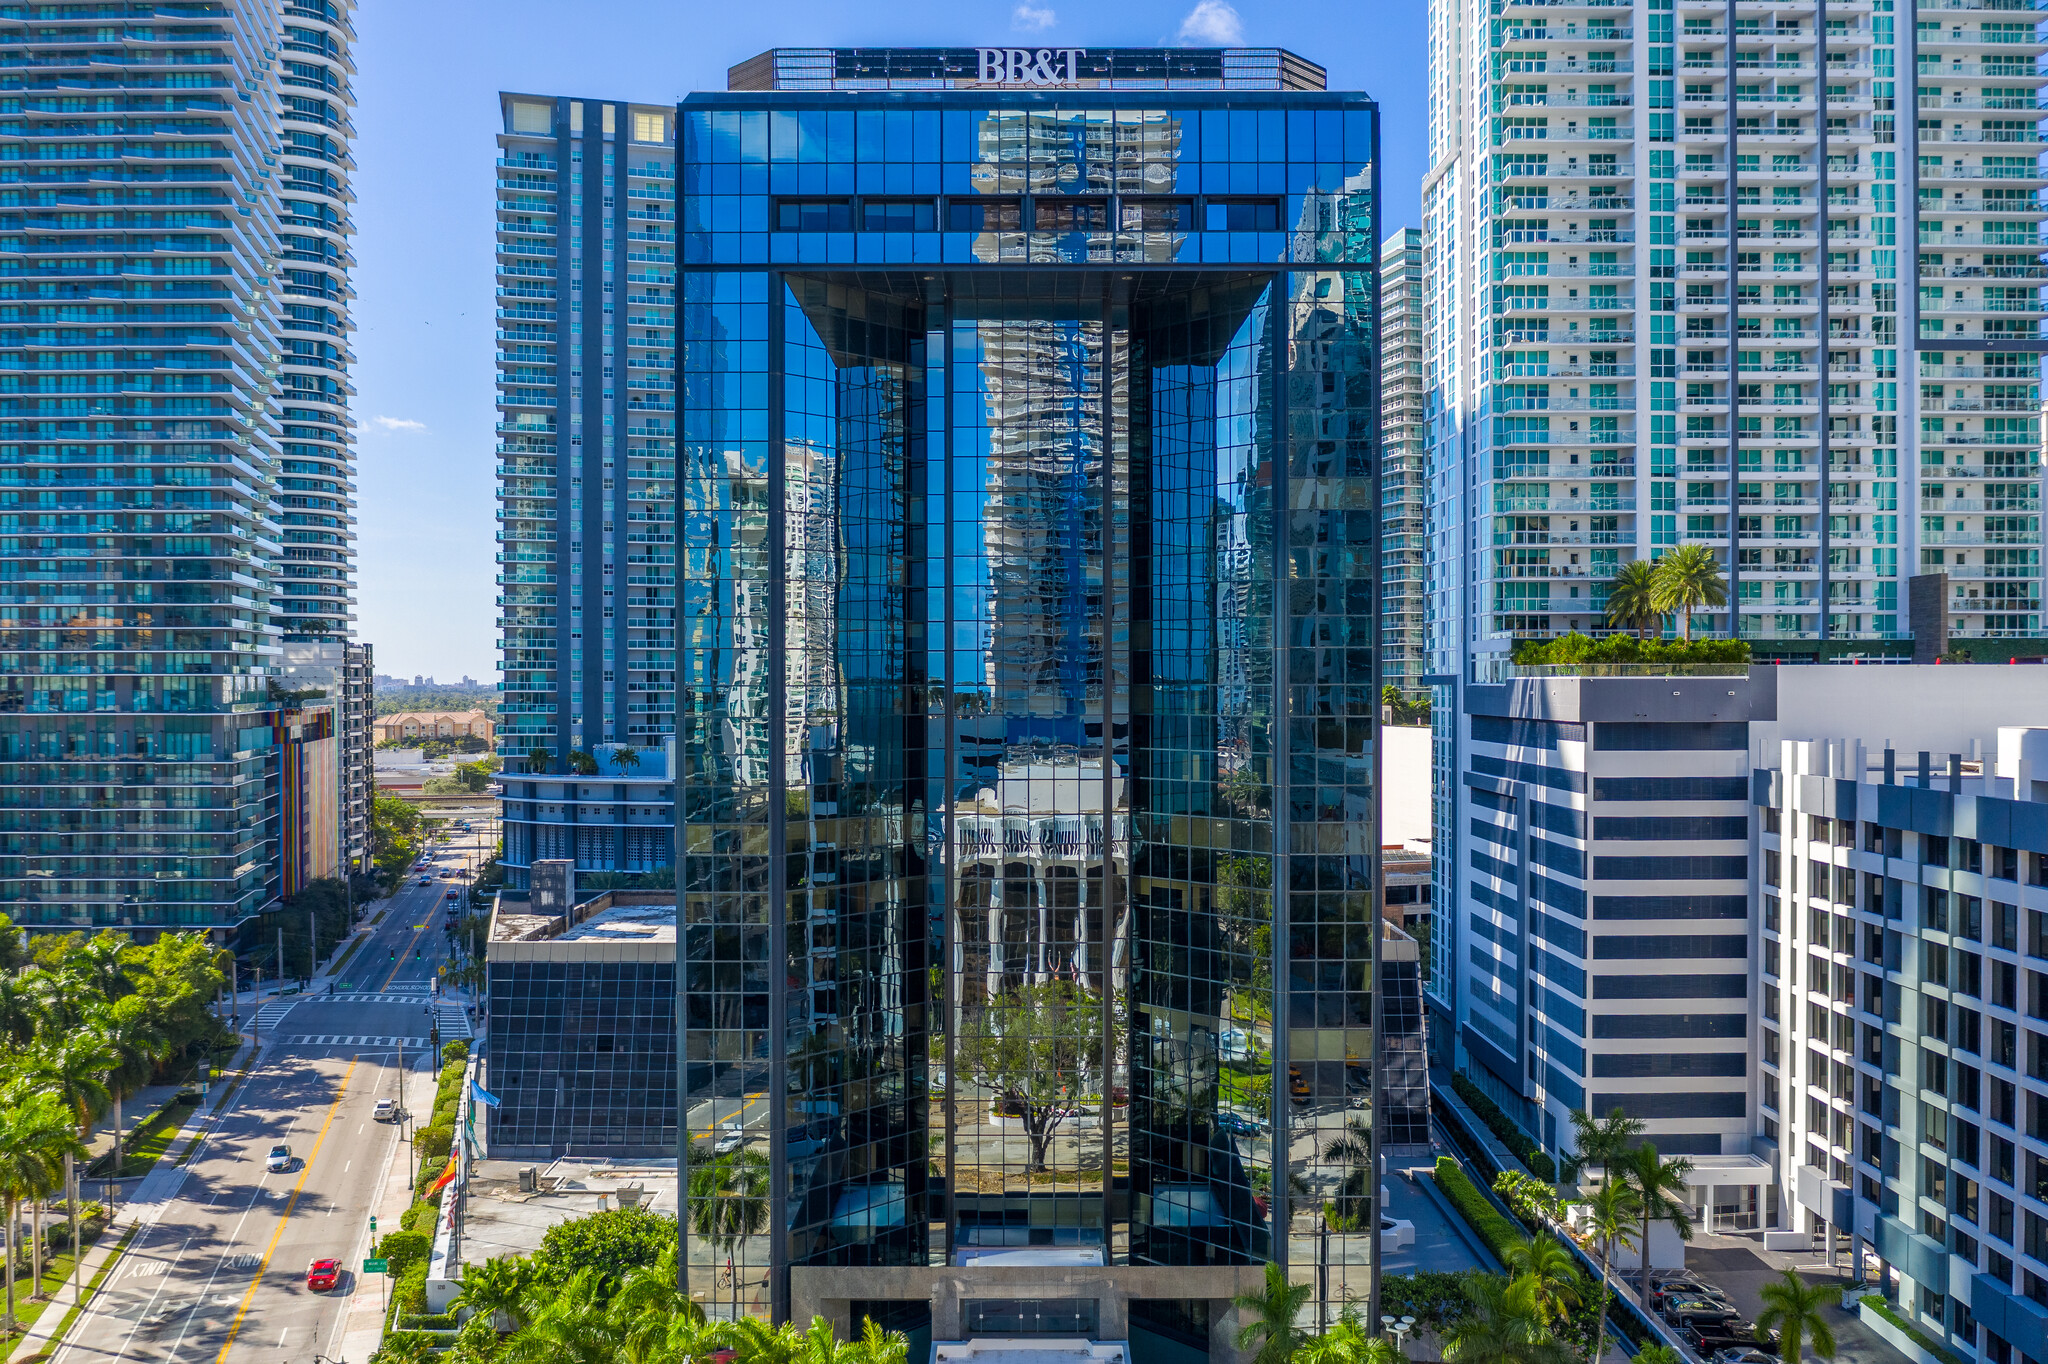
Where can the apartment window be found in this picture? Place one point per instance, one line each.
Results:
(2005, 926)
(898, 215)
(649, 127)
(1156, 215)
(1241, 215)
(1933, 850)
(984, 215)
(2005, 864)
(814, 215)
(1058, 213)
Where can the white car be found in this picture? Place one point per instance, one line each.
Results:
(730, 1139)
(1396, 1233)
(279, 1159)
(385, 1111)
(1742, 1354)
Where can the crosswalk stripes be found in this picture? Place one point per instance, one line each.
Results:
(270, 1015)
(340, 1040)
(455, 1023)
(364, 997)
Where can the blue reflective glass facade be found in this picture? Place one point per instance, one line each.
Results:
(1027, 686)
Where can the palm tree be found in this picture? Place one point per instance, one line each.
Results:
(877, 1346)
(1271, 1326)
(1347, 1342)
(1599, 1141)
(72, 1068)
(756, 1342)
(1659, 1187)
(539, 759)
(653, 1291)
(35, 1133)
(1687, 579)
(497, 1287)
(1354, 1150)
(1611, 1220)
(137, 1043)
(1630, 599)
(18, 1013)
(729, 1200)
(1792, 1307)
(625, 758)
(97, 963)
(680, 1339)
(572, 1328)
(1555, 1271)
(1503, 1326)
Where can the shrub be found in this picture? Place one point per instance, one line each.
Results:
(409, 1294)
(435, 1142)
(612, 1242)
(452, 1052)
(404, 1249)
(1577, 648)
(1502, 1126)
(1472, 1205)
(418, 1217)
(1436, 1300)
(430, 1170)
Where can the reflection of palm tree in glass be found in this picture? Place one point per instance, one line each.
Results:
(728, 1201)
(1354, 1151)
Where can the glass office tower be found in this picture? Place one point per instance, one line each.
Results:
(176, 465)
(1026, 720)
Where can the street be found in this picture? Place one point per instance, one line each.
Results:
(220, 1273)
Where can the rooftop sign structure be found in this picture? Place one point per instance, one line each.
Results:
(1026, 68)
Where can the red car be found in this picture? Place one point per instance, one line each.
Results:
(323, 1275)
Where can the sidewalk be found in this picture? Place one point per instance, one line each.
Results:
(362, 1325)
(138, 1212)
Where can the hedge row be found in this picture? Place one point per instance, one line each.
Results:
(1501, 1125)
(1495, 1229)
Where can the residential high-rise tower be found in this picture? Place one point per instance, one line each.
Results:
(1763, 279)
(1403, 541)
(176, 495)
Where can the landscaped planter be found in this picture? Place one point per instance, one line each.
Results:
(1899, 1338)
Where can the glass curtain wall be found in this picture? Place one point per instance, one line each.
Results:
(1026, 747)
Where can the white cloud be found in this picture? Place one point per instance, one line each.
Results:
(1211, 23)
(393, 425)
(1028, 18)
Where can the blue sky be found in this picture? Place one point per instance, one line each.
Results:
(426, 115)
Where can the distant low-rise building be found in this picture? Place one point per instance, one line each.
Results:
(441, 724)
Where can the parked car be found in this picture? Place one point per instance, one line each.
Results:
(1297, 1085)
(1689, 1311)
(280, 1158)
(1396, 1233)
(1238, 1125)
(322, 1275)
(1743, 1354)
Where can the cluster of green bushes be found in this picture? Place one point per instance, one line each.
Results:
(436, 1139)
(1502, 1126)
(1438, 1300)
(1578, 648)
(1493, 1227)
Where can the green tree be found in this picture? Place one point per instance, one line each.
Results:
(1038, 1049)
(1503, 1325)
(1631, 597)
(728, 1202)
(1560, 1288)
(1352, 1149)
(574, 1326)
(1269, 1316)
(581, 763)
(497, 1288)
(1610, 1219)
(1661, 1196)
(73, 1068)
(877, 1346)
(35, 1139)
(625, 758)
(614, 1242)
(136, 1043)
(1599, 1141)
(1792, 1308)
(539, 759)
(756, 1342)
(1687, 579)
(13, 948)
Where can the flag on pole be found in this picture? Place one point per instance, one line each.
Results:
(484, 1096)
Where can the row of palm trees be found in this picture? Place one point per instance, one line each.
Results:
(1678, 582)
(518, 1316)
(81, 1034)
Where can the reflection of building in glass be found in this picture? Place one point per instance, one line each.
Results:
(996, 739)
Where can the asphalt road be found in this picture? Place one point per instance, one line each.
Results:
(221, 1274)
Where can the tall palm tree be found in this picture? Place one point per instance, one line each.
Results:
(1687, 579)
(1503, 1326)
(728, 1201)
(1659, 1187)
(1630, 600)
(1599, 1141)
(1271, 1313)
(539, 759)
(1560, 1289)
(35, 1132)
(1792, 1308)
(137, 1043)
(1611, 1220)
(97, 962)
(625, 758)
(73, 1068)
